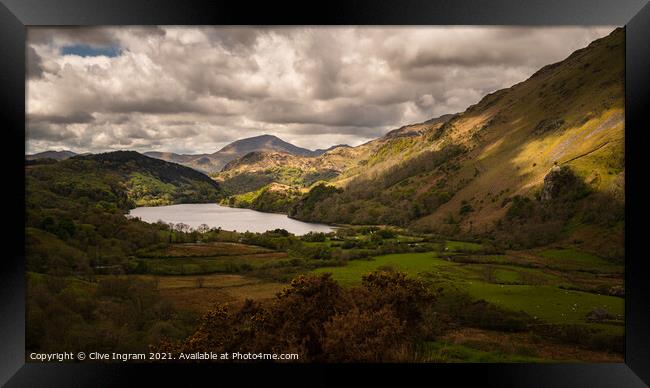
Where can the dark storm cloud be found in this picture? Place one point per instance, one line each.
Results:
(136, 132)
(340, 114)
(504, 52)
(234, 37)
(322, 129)
(94, 37)
(83, 35)
(34, 69)
(49, 131)
(74, 118)
(194, 89)
(152, 105)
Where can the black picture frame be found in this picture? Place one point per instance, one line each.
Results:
(16, 15)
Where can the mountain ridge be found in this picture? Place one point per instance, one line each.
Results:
(458, 173)
(123, 178)
(214, 162)
(56, 155)
(462, 173)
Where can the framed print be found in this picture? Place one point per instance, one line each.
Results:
(377, 188)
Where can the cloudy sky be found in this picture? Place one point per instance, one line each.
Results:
(193, 90)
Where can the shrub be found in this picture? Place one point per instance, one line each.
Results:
(366, 336)
(314, 237)
(386, 233)
(488, 316)
(320, 321)
(465, 207)
(408, 297)
(583, 335)
(459, 307)
(521, 208)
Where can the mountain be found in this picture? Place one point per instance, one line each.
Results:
(262, 143)
(252, 172)
(213, 163)
(320, 151)
(123, 179)
(484, 171)
(256, 169)
(417, 129)
(170, 156)
(56, 155)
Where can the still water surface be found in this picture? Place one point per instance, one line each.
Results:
(227, 218)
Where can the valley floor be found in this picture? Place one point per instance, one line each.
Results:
(568, 295)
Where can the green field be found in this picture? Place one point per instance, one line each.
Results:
(572, 259)
(540, 292)
(543, 284)
(203, 250)
(448, 352)
(465, 246)
(411, 263)
(199, 293)
(546, 303)
(205, 265)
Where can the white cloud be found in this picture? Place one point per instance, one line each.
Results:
(195, 89)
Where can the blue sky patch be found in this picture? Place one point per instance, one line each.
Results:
(84, 50)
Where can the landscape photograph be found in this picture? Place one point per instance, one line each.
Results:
(310, 194)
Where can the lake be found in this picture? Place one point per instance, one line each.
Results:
(227, 218)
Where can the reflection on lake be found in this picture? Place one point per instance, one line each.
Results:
(227, 218)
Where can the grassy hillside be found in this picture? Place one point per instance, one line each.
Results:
(462, 176)
(257, 169)
(245, 178)
(272, 198)
(56, 155)
(125, 178)
(213, 163)
(75, 208)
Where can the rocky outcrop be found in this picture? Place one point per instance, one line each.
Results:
(558, 181)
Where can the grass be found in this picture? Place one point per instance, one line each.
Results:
(185, 294)
(205, 249)
(206, 265)
(326, 243)
(407, 239)
(208, 281)
(546, 303)
(69, 282)
(535, 291)
(411, 263)
(466, 344)
(462, 246)
(440, 351)
(511, 274)
(481, 259)
(507, 275)
(572, 259)
(573, 255)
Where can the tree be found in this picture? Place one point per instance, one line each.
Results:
(182, 227)
(465, 207)
(367, 336)
(408, 297)
(321, 321)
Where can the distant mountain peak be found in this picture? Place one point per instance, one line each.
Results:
(211, 163)
(263, 142)
(321, 151)
(57, 155)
